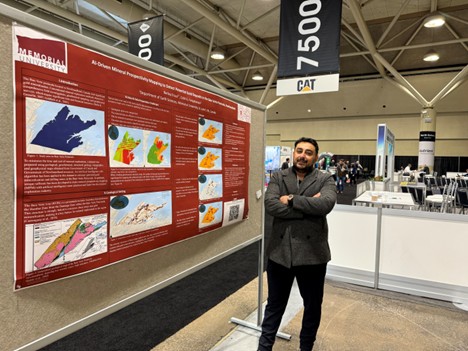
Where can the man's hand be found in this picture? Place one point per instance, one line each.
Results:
(317, 195)
(284, 199)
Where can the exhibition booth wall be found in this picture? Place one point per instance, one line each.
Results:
(413, 252)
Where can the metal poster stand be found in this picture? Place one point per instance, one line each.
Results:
(261, 254)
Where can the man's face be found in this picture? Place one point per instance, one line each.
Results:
(305, 156)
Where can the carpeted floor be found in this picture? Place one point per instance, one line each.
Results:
(146, 323)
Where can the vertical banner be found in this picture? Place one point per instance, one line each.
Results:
(145, 39)
(426, 149)
(309, 46)
(385, 153)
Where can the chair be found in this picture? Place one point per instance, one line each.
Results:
(413, 192)
(421, 197)
(450, 198)
(462, 199)
(444, 202)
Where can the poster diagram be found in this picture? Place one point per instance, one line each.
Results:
(210, 214)
(124, 147)
(210, 186)
(59, 242)
(130, 147)
(158, 146)
(209, 158)
(210, 131)
(63, 129)
(139, 212)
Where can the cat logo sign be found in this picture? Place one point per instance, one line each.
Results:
(305, 85)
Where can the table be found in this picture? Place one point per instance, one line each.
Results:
(381, 199)
(385, 198)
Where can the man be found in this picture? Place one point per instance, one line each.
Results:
(299, 198)
(407, 171)
(285, 164)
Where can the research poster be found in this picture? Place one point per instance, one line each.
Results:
(113, 161)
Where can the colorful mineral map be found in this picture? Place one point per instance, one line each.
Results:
(209, 215)
(208, 160)
(155, 153)
(67, 242)
(124, 152)
(63, 131)
(210, 132)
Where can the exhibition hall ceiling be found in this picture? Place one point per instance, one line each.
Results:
(247, 32)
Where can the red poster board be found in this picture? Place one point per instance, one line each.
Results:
(113, 161)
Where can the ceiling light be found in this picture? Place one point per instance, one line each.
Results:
(217, 54)
(434, 21)
(431, 56)
(257, 76)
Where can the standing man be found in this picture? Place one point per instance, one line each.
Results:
(299, 198)
(285, 164)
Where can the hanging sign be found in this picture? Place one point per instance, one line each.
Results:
(309, 46)
(145, 39)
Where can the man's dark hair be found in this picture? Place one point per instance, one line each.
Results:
(308, 140)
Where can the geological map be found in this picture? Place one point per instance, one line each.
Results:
(65, 241)
(54, 128)
(139, 212)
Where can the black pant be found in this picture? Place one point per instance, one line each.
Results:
(310, 280)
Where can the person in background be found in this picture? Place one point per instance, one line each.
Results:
(359, 169)
(332, 169)
(424, 171)
(299, 199)
(407, 170)
(341, 172)
(352, 174)
(285, 164)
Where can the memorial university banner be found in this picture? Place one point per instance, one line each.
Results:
(309, 46)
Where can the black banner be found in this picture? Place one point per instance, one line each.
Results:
(309, 37)
(427, 136)
(145, 39)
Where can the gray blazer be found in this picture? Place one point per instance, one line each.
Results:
(300, 233)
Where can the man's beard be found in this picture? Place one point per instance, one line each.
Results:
(307, 169)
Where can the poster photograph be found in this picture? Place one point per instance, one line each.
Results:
(113, 161)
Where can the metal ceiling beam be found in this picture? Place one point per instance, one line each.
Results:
(200, 71)
(56, 10)
(352, 30)
(268, 86)
(41, 4)
(230, 29)
(357, 49)
(454, 83)
(131, 10)
(244, 28)
(361, 23)
(455, 34)
(408, 47)
(453, 17)
(378, 59)
(395, 59)
(394, 20)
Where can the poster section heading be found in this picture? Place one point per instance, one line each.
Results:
(114, 161)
